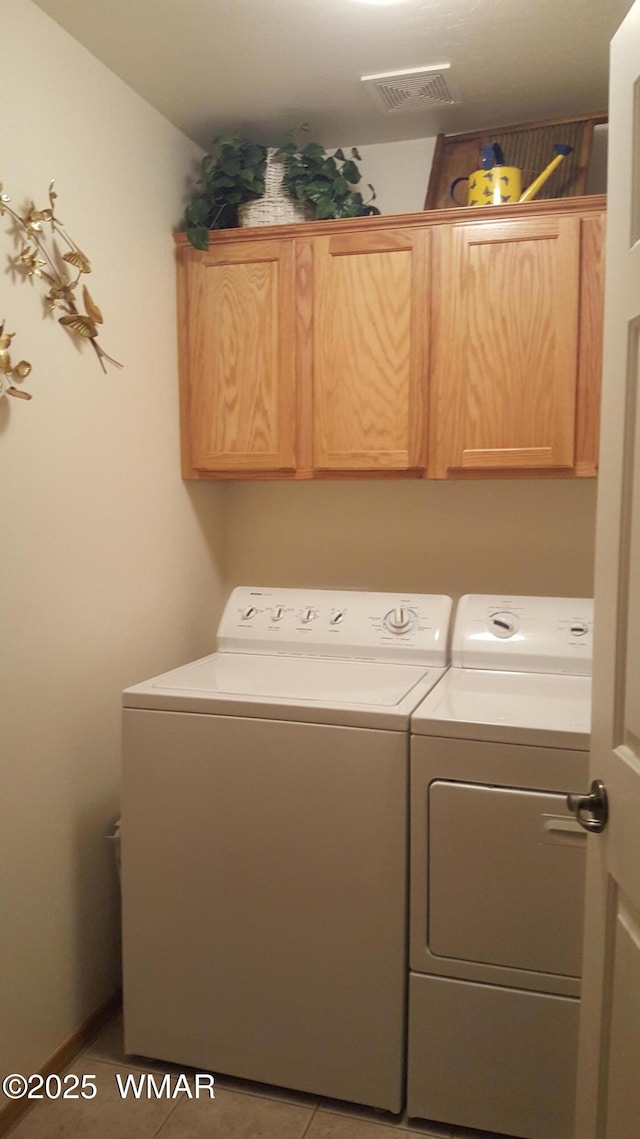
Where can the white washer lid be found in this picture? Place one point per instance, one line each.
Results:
(508, 707)
(311, 690)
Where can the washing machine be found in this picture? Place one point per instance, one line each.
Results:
(264, 842)
(498, 869)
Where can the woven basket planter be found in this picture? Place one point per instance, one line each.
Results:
(276, 207)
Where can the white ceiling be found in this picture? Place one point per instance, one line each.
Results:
(261, 67)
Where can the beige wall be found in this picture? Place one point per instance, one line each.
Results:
(109, 562)
(399, 173)
(441, 537)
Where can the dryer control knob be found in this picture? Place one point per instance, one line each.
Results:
(249, 612)
(503, 625)
(308, 615)
(336, 617)
(278, 613)
(399, 620)
(579, 629)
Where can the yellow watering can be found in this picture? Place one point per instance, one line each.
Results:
(497, 184)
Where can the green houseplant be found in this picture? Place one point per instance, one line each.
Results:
(231, 174)
(234, 173)
(326, 180)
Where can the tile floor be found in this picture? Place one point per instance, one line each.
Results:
(240, 1109)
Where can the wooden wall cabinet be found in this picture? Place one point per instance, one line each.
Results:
(237, 320)
(370, 351)
(437, 345)
(517, 347)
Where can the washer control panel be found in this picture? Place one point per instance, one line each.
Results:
(337, 623)
(524, 634)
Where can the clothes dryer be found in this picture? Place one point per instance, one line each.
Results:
(497, 869)
(264, 842)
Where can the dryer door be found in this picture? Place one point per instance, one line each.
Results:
(506, 872)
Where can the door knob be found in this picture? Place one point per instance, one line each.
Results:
(591, 810)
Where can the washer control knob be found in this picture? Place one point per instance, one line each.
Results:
(249, 612)
(308, 615)
(579, 629)
(278, 613)
(399, 620)
(503, 625)
(337, 617)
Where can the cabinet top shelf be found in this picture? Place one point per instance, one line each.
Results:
(564, 206)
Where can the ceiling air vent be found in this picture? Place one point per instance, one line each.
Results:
(397, 92)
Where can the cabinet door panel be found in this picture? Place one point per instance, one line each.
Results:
(242, 378)
(370, 335)
(590, 336)
(505, 345)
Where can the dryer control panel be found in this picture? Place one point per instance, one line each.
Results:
(524, 634)
(337, 623)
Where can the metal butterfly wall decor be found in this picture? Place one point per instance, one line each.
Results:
(52, 257)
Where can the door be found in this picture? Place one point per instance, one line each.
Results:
(608, 1100)
(517, 877)
(371, 327)
(239, 395)
(505, 343)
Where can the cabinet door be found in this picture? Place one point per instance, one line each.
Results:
(590, 335)
(370, 328)
(505, 346)
(239, 372)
